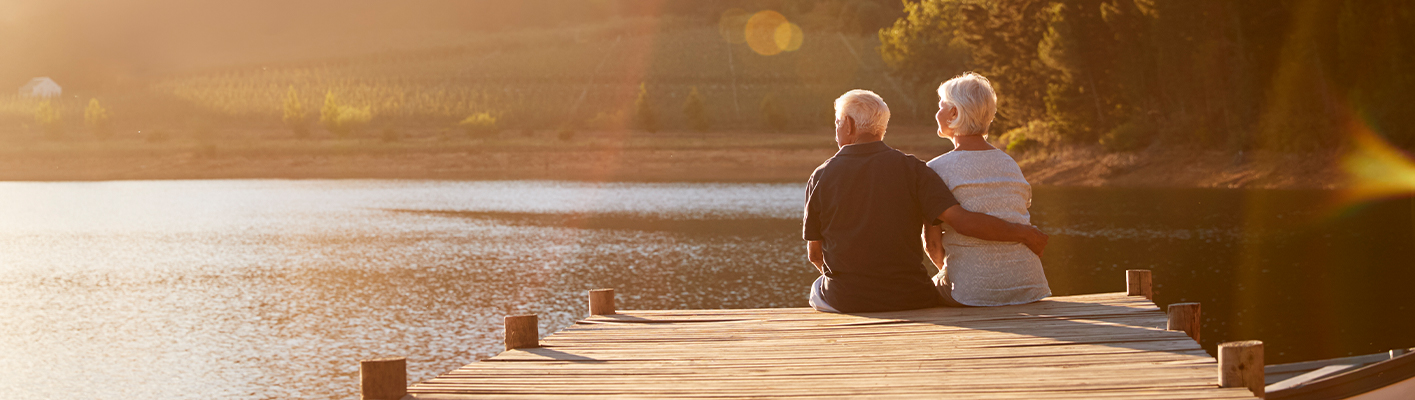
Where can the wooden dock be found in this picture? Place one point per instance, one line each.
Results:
(1103, 346)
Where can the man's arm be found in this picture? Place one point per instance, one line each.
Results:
(816, 255)
(987, 227)
(933, 244)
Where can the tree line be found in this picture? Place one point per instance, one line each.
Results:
(1287, 75)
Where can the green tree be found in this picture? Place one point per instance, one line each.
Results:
(922, 47)
(1376, 54)
(295, 113)
(1302, 110)
(1073, 47)
(97, 120)
(49, 120)
(696, 111)
(645, 117)
(1003, 37)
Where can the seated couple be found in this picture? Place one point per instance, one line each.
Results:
(865, 208)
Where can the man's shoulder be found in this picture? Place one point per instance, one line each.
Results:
(819, 172)
(909, 162)
(893, 159)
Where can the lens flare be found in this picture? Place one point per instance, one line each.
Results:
(1374, 167)
(789, 36)
(761, 32)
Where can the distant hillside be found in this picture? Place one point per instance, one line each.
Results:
(586, 75)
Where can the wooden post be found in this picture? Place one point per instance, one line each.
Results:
(522, 331)
(1185, 317)
(383, 378)
(1240, 364)
(1137, 283)
(602, 302)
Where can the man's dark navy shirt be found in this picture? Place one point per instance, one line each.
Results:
(867, 205)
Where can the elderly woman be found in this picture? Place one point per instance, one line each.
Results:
(973, 271)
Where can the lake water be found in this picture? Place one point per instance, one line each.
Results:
(275, 289)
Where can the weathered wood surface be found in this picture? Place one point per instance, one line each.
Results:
(1106, 346)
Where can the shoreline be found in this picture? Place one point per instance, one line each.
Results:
(630, 157)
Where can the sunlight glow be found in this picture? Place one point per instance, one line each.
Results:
(1375, 168)
(789, 36)
(767, 32)
(761, 32)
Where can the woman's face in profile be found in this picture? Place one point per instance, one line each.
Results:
(946, 114)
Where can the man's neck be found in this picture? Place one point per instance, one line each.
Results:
(863, 140)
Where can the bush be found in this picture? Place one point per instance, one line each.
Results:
(49, 120)
(1034, 135)
(479, 125)
(645, 117)
(389, 135)
(96, 119)
(341, 120)
(1129, 136)
(771, 113)
(351, 119)
(695, 110)
(565, 134)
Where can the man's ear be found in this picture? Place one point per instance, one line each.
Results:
(850, 125)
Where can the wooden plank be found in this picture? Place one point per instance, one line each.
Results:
(1105, 346)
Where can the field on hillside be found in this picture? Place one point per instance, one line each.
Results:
(583, 76)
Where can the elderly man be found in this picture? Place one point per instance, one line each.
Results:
(865, 209)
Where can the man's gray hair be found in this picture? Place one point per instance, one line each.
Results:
(868, 110)
(972, 94)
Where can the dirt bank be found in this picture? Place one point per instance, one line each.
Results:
(680, 157)
(1089, 166)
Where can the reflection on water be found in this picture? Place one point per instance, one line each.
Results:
(274, 289)
(1274, 265)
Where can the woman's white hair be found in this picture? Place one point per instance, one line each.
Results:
(868, 110)
(972, 94)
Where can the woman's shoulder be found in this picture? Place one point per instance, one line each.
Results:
(954, 155)
(945, 158)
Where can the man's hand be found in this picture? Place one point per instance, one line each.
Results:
(1035, 240)
(987, 227)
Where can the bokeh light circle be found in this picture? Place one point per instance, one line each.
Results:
(761, 32)
(789, 36)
